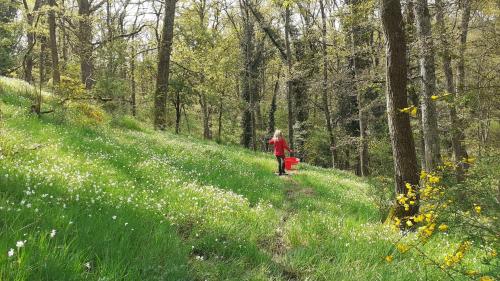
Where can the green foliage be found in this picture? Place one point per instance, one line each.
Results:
(460, 219)
(127, 122)
(85, 114)
(318, 149)
(8, 35)
(70, 88)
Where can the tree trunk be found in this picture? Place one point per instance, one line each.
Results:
(56, 75)
(64, 40)
(456, 133)
(187, 119)
(272, 109)
(413, 96)
(412, 93)
(363, 143)
(219, 130)
(85, 36)
(165, 48)
(403, 149)
(205, 110)
(28, 60)
(464, 29)
(324, 93)
(28, 64)
(248, 50)
(427, 68)
(289, 78)
(178, 107)
(133, 87)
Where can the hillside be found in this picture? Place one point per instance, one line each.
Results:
(119, 201)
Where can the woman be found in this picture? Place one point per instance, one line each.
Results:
(279, 150)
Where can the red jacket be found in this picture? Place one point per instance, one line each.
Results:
(279, 146)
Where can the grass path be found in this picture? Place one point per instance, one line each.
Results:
(293, 189)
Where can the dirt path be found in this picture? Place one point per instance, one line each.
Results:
(279, 246)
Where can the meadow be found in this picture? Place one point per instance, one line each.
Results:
(116, 200)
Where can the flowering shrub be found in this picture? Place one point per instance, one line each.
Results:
(83, 113)
(463, 218)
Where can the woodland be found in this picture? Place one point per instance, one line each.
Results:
(160, 112)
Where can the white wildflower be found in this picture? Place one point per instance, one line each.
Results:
(10, 253)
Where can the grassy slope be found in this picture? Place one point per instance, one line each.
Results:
(141, 205)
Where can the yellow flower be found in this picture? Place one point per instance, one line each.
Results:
(434, 97)
(486, 278)
(433, 179)
(419, 218)
(413, 112)
(402, 248)
(477, 209)
(493, 253)
(470, 160)
(429, 217)
(405, 110)
(448, 164)
(471, 272)
(409, 223)
(423, 174)
(448, 260)
(443, 227)
(389, 258)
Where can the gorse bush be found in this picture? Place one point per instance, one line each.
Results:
(463, 216)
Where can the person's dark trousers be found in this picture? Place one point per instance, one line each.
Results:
(281, 164)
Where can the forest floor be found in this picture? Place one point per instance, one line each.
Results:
(119, 201)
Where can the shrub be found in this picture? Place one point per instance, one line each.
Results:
(460, 219)
(127, 122)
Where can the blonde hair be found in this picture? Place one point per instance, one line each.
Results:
(278, 134)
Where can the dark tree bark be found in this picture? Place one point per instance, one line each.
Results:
(165, 48)
(248, 51)
(412, 91)
(64, 40)
(403, 149)
(85, 38)
(427, 68)
(133, 87)
(206, 113)
(324, 93)
(359, 62)
(464, 29)
(31, 40)
(456, 132)
(178, 113)
(219, 129)
(56, 75)
(289, 84)
(271, 124)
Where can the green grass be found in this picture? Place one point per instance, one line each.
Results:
(129, 203)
